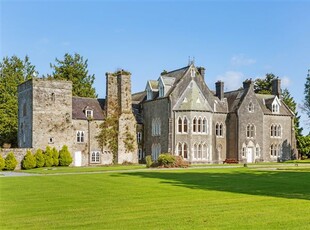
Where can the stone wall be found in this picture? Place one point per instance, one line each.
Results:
(19, 154)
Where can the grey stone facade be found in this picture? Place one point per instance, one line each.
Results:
(240, 125)
(49, 115)
(176, 114)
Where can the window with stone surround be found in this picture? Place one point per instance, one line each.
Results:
(250, 131)
(276, 130)
(156, 150)
(156, 127)
(95, 157)
(194, 125)
(219, 130)
(182, 150)
(80, 136)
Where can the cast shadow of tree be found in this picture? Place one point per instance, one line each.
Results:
(285, 184)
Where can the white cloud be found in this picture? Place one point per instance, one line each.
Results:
(241, 60)
(232, 80)
(285, 82)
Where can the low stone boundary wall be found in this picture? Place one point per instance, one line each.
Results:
(18, 153)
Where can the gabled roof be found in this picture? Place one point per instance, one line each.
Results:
(234, 99)
(168, 81)
(153, 84)
(266, 100)
(80, 103)
(138, 97)
(192, 99)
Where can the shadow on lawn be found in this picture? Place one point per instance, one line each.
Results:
(285, 184)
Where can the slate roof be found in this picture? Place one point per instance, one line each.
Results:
(265, 102)
(136, 110)
(234, 99)
(138, 97)
(80, 103)
(169, 81)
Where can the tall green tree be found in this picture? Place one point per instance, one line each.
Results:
(307, 95)
(289, 101)
(74, 68)
(13, 71)
(264, 85)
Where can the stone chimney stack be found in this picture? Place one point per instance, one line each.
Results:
(247, 83)
(276, 87)
(202, 71)
(219, 89)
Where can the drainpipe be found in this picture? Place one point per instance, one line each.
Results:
(88, 126)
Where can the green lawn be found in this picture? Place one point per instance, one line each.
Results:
(63, 170)
(240, 198)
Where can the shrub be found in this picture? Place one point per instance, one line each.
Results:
(166, 160)
(40, 160)
(48, 155)
(148, 160)
(55, 154)
(2, 163)
(29, 161)
(65, 158)
(180, 162)
(10, 162)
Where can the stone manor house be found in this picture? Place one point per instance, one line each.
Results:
(177, 114)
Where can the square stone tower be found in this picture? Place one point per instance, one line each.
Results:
(119, 103)
(45, 113)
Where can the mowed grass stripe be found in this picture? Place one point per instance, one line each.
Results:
(181, 199)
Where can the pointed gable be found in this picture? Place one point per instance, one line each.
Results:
(267, 103)
(192, 99)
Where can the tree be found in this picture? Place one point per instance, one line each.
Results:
(289, 101)
(307, 95)
(40, 160)
(74, 68)
(55, 154)
(264, 86)
(13, 71)
(29, 161)
(65, 158)
(48, 155)
(108, 136)
(10, 162)
(304, 146)
(2, 163)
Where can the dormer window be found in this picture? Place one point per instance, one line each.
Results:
(275, 106)
(89, 113)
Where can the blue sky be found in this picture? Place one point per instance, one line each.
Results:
(233, 40)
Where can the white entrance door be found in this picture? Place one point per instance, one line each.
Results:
(78, 158)
(249, 155)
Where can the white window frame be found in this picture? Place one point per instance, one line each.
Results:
(95, 157)
(80, 136)
(89, 113)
